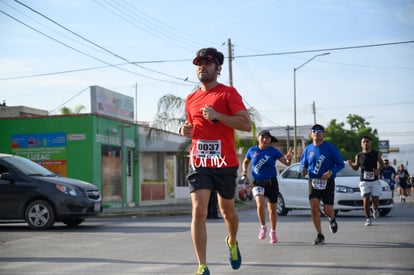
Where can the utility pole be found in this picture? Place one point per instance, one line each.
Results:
(230, 54)
(136, 102)
(295, 149)
(288, 128)
(314, 112)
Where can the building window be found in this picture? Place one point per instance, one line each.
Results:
(182, 170)
(129, 163)
(152, 165)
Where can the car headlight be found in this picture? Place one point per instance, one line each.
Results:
(344, 189)
(66, 189)
(386, 188)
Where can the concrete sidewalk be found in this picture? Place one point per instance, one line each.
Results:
(172, 209)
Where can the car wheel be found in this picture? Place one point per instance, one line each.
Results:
(73, 222)
(384, 211)
(281, 208)
(40, 215)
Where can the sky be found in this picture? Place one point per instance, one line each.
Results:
(52, 51)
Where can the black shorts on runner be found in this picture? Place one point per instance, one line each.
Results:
(403, 185)
(327, 195)
(222, 180)
(271, 190)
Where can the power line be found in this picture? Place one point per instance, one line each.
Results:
(68, 100)
(174, 32)
(55, 73)
(187, 60)
(186, 83)
(140, 21)
(328, 49)
(95, 44)
(44, 25)
(70, 47)
(365, 106)
(136, 63)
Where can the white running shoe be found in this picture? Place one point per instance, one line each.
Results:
(375, 213)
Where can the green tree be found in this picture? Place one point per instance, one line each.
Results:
(66, 110)
(359, 128)
(348, 141)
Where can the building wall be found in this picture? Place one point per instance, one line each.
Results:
(20, 111)
(73, 146)
(88, 147)
(36, 136)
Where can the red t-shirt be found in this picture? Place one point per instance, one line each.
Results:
(213, 142)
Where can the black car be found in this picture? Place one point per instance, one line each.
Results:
(32, 193)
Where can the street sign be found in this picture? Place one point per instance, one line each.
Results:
(384, 145)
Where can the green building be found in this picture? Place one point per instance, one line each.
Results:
(132, 164)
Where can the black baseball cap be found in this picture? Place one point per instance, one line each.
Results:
(210, 54)
(318, 127)
(267, 133)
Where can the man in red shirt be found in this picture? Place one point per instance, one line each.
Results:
(213, 112)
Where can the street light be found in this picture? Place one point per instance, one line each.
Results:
(295, 149)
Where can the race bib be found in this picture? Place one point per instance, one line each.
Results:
(369, 175)
(319, 184)
(208, 148)
(258, 190)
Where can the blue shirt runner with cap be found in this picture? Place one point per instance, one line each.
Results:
(319, 159)
(263, 162)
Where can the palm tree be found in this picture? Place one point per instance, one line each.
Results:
(67, 111)
(171, 115)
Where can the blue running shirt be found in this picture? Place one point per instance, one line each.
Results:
(319, 159)
(263, 162)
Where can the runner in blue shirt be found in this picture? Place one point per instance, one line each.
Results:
(263, 158)
(321, 160)
(387, 174)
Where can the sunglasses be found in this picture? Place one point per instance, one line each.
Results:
(317, 131)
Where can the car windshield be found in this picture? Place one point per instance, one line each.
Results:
(348, 172)
(28, 167)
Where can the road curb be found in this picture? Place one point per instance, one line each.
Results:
(161, 210)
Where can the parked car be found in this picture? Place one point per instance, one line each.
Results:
(294, 191)
(32, 193)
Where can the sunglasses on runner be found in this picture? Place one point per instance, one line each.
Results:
(317, 131)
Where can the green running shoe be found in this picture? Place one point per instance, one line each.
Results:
(235, 257)
(202, 270)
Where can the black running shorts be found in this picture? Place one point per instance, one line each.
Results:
(327, 195)
(222, 180)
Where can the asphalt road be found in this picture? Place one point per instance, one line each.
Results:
(162, 245)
